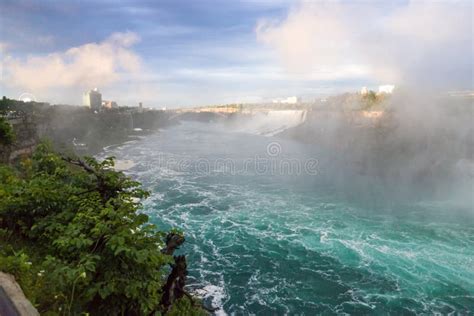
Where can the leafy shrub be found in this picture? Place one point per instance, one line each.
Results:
(184, 307)
(7, 135)
(78, 224)
(372, 101)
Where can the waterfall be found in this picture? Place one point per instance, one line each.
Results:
(272, 122)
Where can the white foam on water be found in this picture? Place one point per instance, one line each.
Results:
(217, 295)
(123, 165)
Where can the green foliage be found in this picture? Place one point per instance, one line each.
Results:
(16, 263)
(184, 307)
(7, 135)
(7, 105)
(371, 96)
(72, 236)
(371, 101)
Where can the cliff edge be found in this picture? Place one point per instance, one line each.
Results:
(12, 299)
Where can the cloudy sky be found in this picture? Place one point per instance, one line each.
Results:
(195, 52)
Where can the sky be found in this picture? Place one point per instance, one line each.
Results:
(173, 53)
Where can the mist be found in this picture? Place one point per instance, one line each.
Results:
(414, 146)
(420, 44)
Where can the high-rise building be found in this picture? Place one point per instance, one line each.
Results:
(109, 104)
(92, 99)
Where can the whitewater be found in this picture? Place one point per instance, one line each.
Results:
(259, 241)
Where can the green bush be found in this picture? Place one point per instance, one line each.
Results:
(78, 225)
(7, 136)
(372, 102)
(184, 307)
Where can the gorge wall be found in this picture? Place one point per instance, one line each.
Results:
(26, 131)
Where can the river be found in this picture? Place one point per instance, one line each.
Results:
(268, 233)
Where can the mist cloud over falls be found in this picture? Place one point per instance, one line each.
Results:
(422, 43)
(420, 148)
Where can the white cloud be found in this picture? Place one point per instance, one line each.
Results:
(124, 39)
(309, 36)
(89, 65)
(419, 42)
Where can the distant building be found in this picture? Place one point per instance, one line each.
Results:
(372, 114)
(387, 89)
(92, 99)
(364, 91)
(289, 100)
(109, 104)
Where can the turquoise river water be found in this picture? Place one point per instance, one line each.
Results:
(268, 241)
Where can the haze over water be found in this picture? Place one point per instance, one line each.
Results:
(265, 242)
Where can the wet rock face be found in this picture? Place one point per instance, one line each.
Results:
(26, 140)
(13, 298)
